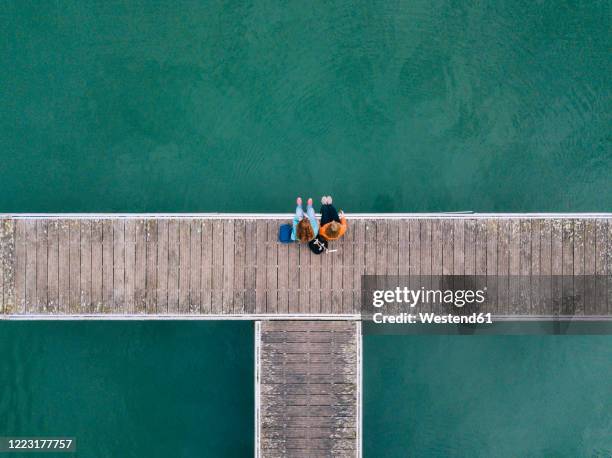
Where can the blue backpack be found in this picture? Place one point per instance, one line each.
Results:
(284, 233)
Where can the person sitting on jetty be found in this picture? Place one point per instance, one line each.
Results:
(305, 226)
(333, 224)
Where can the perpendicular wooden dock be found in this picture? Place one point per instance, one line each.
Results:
(308, 388)
(306, 307)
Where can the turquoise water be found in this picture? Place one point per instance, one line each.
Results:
(488, 396)
(130, 389)
(421, 105)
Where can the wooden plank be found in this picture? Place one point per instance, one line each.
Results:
(535, 292)
(119, 246)
(4, 264)
(601, 266)
(437, 257)
(85, 269)
(590, 293)
(447, 246)
(524, 284)
(162, 266)
(184, 264)
(469, 247)
(129, 231)
(42, 281)
(173, 266)
(53, 266)
(333, 273)
(151, 268)
(608, 224)
(370, 247)
(557, 269)
(30, 266)
(415, 261)
(514, 267)
(323, 265)
(75, 266)
(251, 265)
(567, 267)
(228, 266)
(448, 263)
(604, 246)
(260, 264)
(426, 261)
(346, 265)
(283, 272)
(108, 295)
(547, 305)
(480, 251)
(20, 259)
(469, 251)
(271, 270)
(503, 266)
(311, 281)
(293, 277)
(96, 265)
(195, 266)
(63, 266)
(217, 269)
(358, 228)
(206, 267)
(9, 264)
(140, 266)
(393, 248)
(240, 267)
(458, 256)
(370, 251)
(335, 260)
(578, 267)
(381, 247)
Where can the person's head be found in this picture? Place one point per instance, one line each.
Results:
(333, 230)
(304, 232)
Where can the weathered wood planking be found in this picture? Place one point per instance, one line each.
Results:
(7, 266)
(550, 266)
(309, 388)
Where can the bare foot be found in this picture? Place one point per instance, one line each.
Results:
(309, 201)
(299, 201)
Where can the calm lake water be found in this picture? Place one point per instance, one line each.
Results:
(130, 389)
(488, 396)
(420, 105)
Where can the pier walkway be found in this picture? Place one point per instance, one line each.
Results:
(308, 388)
(233, 266)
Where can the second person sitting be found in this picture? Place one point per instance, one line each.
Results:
(305, 226)
(333, 224)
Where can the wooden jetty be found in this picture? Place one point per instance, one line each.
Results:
(233, 266)
(305, 307)
(308, 388)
